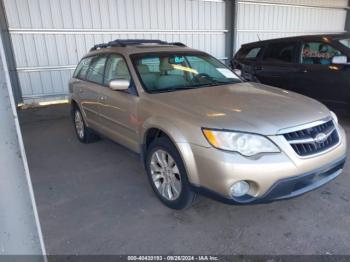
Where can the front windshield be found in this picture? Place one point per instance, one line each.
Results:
(178, 71)
(345, 42)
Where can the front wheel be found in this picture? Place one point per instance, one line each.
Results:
(167, 174)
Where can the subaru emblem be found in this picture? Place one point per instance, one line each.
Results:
(320, 138)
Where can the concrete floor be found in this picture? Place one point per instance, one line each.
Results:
(95, 199)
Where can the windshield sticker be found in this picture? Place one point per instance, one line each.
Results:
(227, 73)
(176, 59)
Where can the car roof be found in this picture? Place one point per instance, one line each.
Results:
(139, 49)
(137, 46)
(319, 37)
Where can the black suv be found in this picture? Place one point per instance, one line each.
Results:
(317, 66)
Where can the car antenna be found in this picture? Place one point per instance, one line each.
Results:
(258, 37)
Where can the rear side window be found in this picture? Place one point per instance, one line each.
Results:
(82, 68)
(280, 52)
(250, 53)
(96, 70)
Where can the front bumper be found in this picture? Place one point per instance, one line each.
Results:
(272, 177)
(285, 188)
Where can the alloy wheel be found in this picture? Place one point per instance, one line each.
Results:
(165, 175)
(79, 124)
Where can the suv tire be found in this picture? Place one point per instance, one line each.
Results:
(167, 174)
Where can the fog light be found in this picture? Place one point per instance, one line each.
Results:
(239, 189)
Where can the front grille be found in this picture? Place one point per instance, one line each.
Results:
(313, 140)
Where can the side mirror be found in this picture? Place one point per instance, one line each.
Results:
(340, 59)
(119, 84)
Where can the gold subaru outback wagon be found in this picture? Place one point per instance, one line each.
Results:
(200, 129)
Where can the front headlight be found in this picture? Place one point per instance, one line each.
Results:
(334, 116)
(243, 143)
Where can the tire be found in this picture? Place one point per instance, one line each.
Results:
(169, 176)
(84, 134)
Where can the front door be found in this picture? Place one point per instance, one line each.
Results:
(118, 108)
(320, 78)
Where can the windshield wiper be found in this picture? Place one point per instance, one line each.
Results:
(226, 82)
(172, 89)
(194, 86)
(215, 82)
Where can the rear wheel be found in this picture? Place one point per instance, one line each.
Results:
(167, 174)
(84, 134)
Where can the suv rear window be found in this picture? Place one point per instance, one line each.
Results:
(345, 42)
(280, 52)
(249, 53)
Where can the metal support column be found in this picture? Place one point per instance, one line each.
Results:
(20, 232)
(347, 23)
(9, 55)
(230, 13)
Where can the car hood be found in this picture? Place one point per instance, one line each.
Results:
(248, 107)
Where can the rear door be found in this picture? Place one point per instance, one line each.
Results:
(320, 78)
(118, 108)
(90, 91)
(76, 84)
(278, 65)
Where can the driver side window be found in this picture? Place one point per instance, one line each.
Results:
(318, 53)
(116, 68)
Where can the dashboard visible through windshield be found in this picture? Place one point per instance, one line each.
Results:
(178, 71)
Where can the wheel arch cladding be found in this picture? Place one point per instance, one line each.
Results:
(160, 126)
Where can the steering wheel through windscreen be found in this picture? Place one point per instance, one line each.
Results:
(202, 77)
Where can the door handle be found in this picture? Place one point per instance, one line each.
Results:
(81, 90)
(259, 68)
(102, 98)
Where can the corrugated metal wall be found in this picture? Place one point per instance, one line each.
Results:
(266, 19)
(50, 36)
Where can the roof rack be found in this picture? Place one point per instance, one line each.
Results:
(129, 42)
